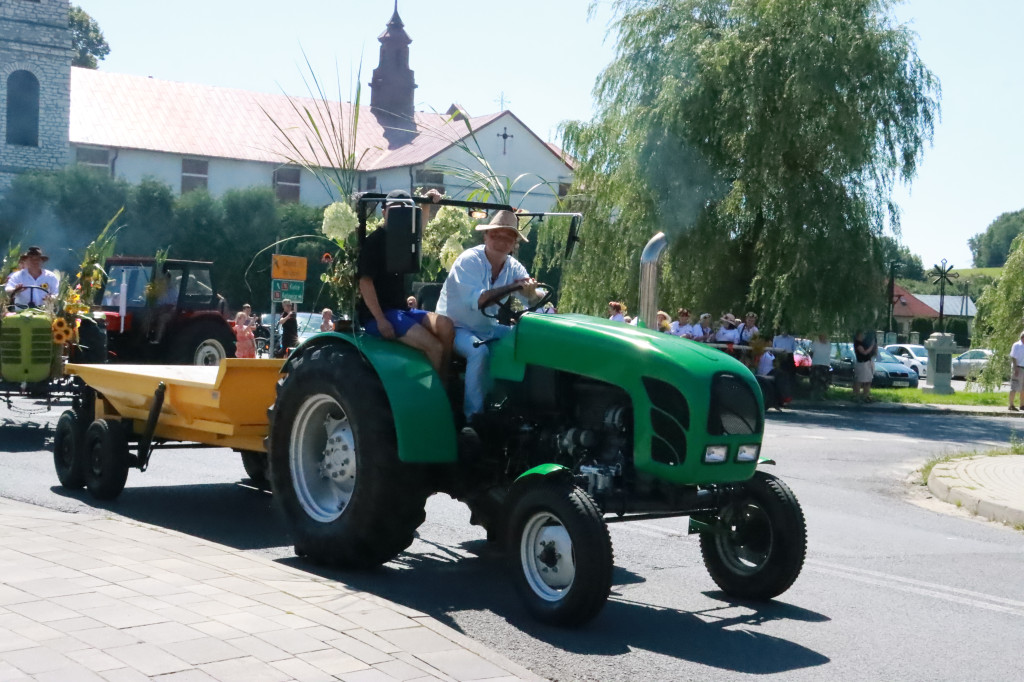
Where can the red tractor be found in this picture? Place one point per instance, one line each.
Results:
(163, 311)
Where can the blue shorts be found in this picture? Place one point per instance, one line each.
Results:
(401, 320)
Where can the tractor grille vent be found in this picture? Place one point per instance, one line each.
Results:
(41, 345)
(734, 409)
(670, 419)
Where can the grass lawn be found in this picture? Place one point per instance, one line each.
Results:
(917, 395)
(973, 272)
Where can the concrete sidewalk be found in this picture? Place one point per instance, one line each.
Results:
(992, 487)
(93, 598)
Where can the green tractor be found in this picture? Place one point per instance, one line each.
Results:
(586, 418)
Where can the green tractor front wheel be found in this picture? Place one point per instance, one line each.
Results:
(559, 552)
(757, 544)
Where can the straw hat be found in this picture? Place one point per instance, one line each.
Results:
(503, 220)
(35, 251)
(729, 319)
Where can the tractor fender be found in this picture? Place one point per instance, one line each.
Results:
(424, 426)
(542, 472)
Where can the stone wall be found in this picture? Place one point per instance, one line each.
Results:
(34, 37)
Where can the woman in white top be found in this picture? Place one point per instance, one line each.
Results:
(615, 311)
(728, 331)
(702, 329)
(681, 326)
(748, 329)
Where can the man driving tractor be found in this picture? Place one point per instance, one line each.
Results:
(480, 277)
(32, 285)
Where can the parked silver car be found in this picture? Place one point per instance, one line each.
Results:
(971, 363)
(912, 355)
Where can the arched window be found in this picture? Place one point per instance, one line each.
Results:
(23, 109)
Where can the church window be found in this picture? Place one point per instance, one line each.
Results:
(194, 173)
(286, 184)
(430, 180)
(23, 109)
(93, 157)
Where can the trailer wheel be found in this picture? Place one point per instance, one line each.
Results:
(760, 551)
(559, 553)
(255, 464)
(334, 466)
(68, 451)
(106, 459)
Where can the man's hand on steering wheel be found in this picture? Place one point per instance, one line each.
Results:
(530, 288)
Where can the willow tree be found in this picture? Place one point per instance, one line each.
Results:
(765, 138)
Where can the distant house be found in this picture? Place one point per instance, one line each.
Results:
(907, 306)
(193, 136)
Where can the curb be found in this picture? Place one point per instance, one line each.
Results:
(947, 485)
(917, 408)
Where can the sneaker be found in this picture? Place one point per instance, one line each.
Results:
(1013, 409)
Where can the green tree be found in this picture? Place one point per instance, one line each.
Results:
(908, 265)
(1001, 314)
(87, 41)
(991, 247)
(765, 138)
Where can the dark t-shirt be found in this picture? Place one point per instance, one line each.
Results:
(864, 350)
(290, 332)
(391, 287)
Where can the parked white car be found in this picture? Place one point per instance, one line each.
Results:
(911, 355)
(971, 363)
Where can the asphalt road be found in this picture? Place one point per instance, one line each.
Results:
(895, 586)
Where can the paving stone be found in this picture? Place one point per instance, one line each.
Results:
(148, 659)
(88, 600)
(37, 660)
(65, 644)
(301, 671)
(203, 650)
(462, 665)
(105, 637)
(258, 648)
(376, 641)
(379, 620)
(72, 672)
(244, 670)
(333, 661)
(247, 623)
(123, 616)
(124, 675)
(12, 595)
(8, 673)
(50, 587)
(12, 641)
(164, 633)
(399, 670)
(187, 676)
(371, 675)
(292, 641)
(361, 650)
(95, 660)
(418, 640)
(215, 628)
(41, 611)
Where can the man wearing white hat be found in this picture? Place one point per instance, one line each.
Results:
(483, 273)
(33, 284)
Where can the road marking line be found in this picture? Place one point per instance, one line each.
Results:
(953, 594)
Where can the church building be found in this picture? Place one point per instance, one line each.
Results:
(193, 136)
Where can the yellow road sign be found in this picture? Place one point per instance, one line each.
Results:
(288, 267)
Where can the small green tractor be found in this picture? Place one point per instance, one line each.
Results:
(586, 418)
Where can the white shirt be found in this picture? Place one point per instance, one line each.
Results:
(1017, 353)
(676, 329)
(617, 317)
(766, 364)
(727, 335)
(746, 333)
(25, 297)
(786, 342)
(470, 277)
(821, 353)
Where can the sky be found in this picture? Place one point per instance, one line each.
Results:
(542, 57)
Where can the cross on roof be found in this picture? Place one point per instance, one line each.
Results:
(505, 136)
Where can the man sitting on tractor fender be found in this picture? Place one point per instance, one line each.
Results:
(481, 274)
(382, 306)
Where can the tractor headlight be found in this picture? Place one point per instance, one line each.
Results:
(748, 453)
(716, 454)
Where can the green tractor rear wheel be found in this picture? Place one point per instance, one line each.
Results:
(334, 466)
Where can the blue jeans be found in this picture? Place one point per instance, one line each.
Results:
(477, 365)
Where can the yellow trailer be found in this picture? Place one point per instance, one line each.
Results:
(136, 405)
(224, 406)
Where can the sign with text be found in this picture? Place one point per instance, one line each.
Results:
(281, 289)
(288, 267)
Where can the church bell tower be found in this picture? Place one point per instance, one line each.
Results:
(393, 85)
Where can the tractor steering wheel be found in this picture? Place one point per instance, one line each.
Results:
(505, 314)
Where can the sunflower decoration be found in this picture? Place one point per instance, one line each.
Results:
(62, 331)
